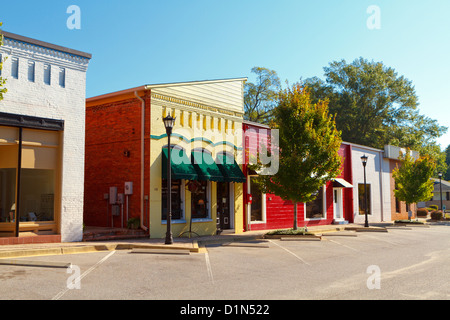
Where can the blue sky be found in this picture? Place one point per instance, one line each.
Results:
(139, 42)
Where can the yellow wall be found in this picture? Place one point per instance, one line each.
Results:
(193, 120)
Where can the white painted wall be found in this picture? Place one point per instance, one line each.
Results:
(53, 101)
(377, 176)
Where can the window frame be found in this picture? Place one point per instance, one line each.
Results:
(263, 203)
(182, 218)
(369, 199)
(324, 206)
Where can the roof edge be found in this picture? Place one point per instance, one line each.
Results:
(194, 82)
(48, 45)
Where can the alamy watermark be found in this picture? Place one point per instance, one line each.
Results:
(374, 20)
(74, 281)
(74, 20)
(374, 280)
(261, 147)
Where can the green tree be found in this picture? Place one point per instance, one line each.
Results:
(308, 148)
(374, 106)
(447, 162)
(2, 80)
(413, 179)
(260, 98)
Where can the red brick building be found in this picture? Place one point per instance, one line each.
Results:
(116, 139)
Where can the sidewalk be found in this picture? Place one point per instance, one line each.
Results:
(193, 244)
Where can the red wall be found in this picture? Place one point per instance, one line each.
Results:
(111, 129)
(346, 173)
(280, 213)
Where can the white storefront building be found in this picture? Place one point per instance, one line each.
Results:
(42, 141)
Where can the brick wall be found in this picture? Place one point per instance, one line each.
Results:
(113, 157)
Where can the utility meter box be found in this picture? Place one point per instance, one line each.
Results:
(128, 188)
(120, 198)
(112, 195)
(115, 210)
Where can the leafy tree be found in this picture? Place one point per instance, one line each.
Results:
(308, 148)
(2, 80)
(413, 179)
(261, 98)
(447, 162)
(374, 106)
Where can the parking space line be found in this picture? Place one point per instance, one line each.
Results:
(208, 267)
(289, 251)
(384, 240)
(334, 241)
(59, 295)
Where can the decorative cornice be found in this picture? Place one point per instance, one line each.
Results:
(196, 105)
(40, 53)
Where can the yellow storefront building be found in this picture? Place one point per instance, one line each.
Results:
(206, 143)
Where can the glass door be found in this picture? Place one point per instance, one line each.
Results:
(223, 204)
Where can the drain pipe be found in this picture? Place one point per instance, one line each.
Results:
(142, 157)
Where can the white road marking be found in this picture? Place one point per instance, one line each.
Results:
(334, 241)
(208, 267)
(287, 250)
(59, 295)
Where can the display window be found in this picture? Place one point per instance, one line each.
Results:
(29, 175)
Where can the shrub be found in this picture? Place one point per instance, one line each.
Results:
(408, 221)
(436, 215)
(133, 223)
(300, 231)
(422, 212)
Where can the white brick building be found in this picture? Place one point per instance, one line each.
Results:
(42, 128)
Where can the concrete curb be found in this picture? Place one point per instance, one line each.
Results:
(61, 250)
(228, 239)
(367, 229)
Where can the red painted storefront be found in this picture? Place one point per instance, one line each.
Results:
(278, 213)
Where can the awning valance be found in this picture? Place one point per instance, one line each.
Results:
(230, 169)
(341, 183)
(182, 169)
(206, 167)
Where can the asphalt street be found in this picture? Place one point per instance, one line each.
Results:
(402, 264)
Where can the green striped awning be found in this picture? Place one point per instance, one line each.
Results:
(206, 167)
(230, 169)
(182, 169)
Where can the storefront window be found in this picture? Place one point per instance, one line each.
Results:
(9, 151)
(256, 206)
(36, 174)
(7, 194)
(361, 197)
(199, 201)
(176, 199)
(37, 195)
(315, 209)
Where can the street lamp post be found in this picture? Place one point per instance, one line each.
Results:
(440, 191)
(169, 122)
(364, 162)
